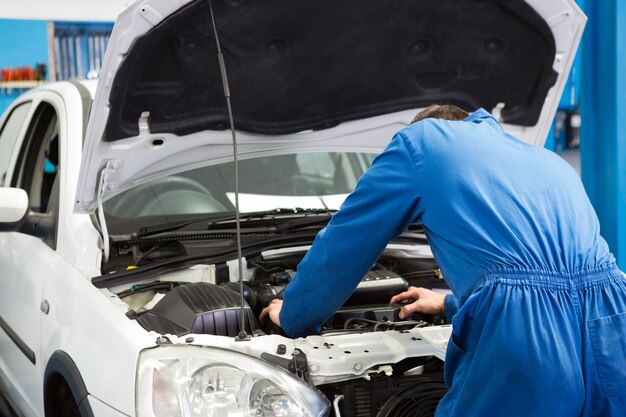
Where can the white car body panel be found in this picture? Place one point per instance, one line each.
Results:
(81, 322)
(327, 356)
(101, 409)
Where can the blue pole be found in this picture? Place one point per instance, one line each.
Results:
(603, 114)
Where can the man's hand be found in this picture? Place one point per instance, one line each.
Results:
(272, 310)
(421, 301)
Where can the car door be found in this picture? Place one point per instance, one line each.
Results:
(27, 248)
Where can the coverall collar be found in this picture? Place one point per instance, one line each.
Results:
(479, 115)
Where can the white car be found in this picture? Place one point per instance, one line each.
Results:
(119, 290)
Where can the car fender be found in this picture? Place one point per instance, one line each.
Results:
(60, 363)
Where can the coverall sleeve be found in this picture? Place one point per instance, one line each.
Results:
(451, 306)
(385, 201)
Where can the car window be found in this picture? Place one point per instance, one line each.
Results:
(37, 172)
(38, 161)
(8, 136)
(317, 164)
(306, 180)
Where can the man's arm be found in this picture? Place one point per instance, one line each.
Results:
(385, 201)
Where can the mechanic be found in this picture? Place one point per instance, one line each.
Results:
(541, 328)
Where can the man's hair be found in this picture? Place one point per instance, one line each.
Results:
(441, 111)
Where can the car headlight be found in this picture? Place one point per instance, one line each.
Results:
(187, 381)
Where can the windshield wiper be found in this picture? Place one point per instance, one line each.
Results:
(302, 222)
(214, 219)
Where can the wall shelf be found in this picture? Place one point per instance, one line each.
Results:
(9, 86)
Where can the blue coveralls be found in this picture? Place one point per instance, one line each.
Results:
(541, 330)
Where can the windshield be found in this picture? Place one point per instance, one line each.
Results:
(304, 180)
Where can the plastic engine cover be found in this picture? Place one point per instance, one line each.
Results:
(200, 308)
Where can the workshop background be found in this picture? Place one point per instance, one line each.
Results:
(43, 40)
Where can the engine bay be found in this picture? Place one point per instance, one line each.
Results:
(366, 361)
(205, 299)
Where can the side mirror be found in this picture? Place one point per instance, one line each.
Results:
(13, 204)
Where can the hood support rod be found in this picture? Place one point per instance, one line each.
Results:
(242, 329)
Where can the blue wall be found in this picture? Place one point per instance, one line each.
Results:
(22, 43)
(603, 109)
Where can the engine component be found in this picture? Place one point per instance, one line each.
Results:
(201, 308)
(419, 400)
(352, 314)
(382, 396)
(419, 270)
(249, 295)
(266, 293)
(377, 286)
(283, 277)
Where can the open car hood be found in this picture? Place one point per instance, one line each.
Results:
(313, 75)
